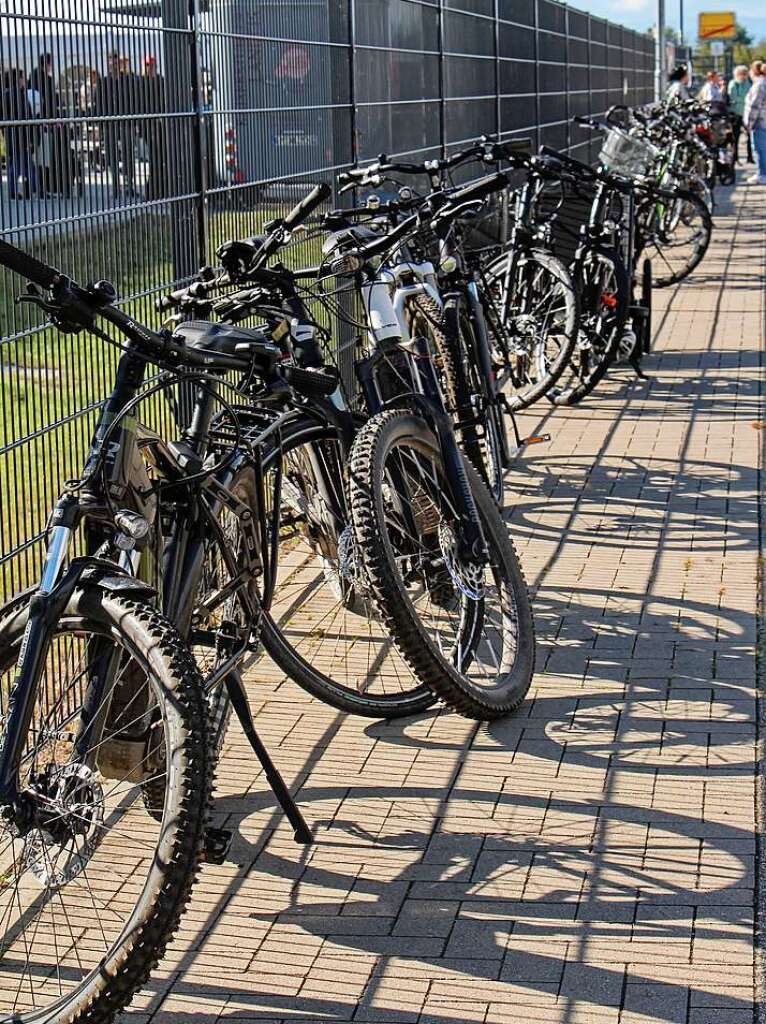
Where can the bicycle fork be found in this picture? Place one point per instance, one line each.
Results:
(45, 609)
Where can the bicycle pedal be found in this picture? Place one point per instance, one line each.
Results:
(216, 845)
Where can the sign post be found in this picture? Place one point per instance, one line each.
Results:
(659, 53)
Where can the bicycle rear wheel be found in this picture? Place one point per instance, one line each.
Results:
(536, 338)
(464, 624)
(675, 236)
(93, 891)
(323, 628)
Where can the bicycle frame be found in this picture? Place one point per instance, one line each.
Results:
(182, 564)
(55, 588)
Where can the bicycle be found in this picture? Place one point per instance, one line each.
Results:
(436, 552)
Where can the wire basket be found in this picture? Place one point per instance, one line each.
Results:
(625, 154)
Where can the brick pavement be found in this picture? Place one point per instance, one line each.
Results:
(592, 858)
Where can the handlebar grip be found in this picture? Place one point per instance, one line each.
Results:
(590, 122)
(306, 206)
(480, 189)
(27, 266)
(171, 300)
(572, 161)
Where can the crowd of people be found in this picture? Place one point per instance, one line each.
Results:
(52, 140)
(744, 97)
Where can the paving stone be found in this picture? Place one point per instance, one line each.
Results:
(589, 859)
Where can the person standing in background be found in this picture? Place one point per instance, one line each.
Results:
(130, 101)
(116, 99)
(754, 116)
(19, 139)
(43, 83)
(154, 129)
(738, 89)
(105, 105)
(711, 91)
(678, 90)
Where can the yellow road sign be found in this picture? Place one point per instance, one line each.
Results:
(717, 25)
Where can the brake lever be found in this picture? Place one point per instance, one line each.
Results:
(66, 325)
(36, 299)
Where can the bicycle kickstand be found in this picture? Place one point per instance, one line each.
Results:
(521, 442)
(284, 797)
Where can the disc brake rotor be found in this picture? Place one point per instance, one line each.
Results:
(74, 804)
(468, 577)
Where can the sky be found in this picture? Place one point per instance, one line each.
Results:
(640, 14)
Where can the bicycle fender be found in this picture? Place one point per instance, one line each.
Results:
(107, 575)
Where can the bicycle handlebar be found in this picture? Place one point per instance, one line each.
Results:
(488, 149)
(480, 189)
(456, 199)
(591, 122)
(572, 161)
(27, 266)
(83, 304)
(306, 206)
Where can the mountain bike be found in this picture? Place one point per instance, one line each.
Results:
(320, 624)
(379, 374)
(436, 552)
(91, 886)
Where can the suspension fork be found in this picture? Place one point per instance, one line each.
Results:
(476, 310)
(54, 592)
(328, 472)
(44, 610)
(514, 255)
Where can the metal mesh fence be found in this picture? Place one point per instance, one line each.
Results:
(138, 134)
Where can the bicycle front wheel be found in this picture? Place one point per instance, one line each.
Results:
(464, 624)
(471, 399)
(92, 892)
(603, 289)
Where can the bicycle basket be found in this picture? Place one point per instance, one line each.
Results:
(625, 154)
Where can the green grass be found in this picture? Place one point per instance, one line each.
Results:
(48, 377)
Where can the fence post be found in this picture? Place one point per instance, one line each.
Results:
(567, 82)
(536, 16)
(201, 154)
(496, 12)
(659, 53)
(442, 105)
(175, 44)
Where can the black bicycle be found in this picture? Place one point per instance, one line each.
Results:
(110, 730)
(504, 315)
(438, 557)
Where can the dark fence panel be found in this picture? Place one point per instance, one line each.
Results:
(138, 134)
